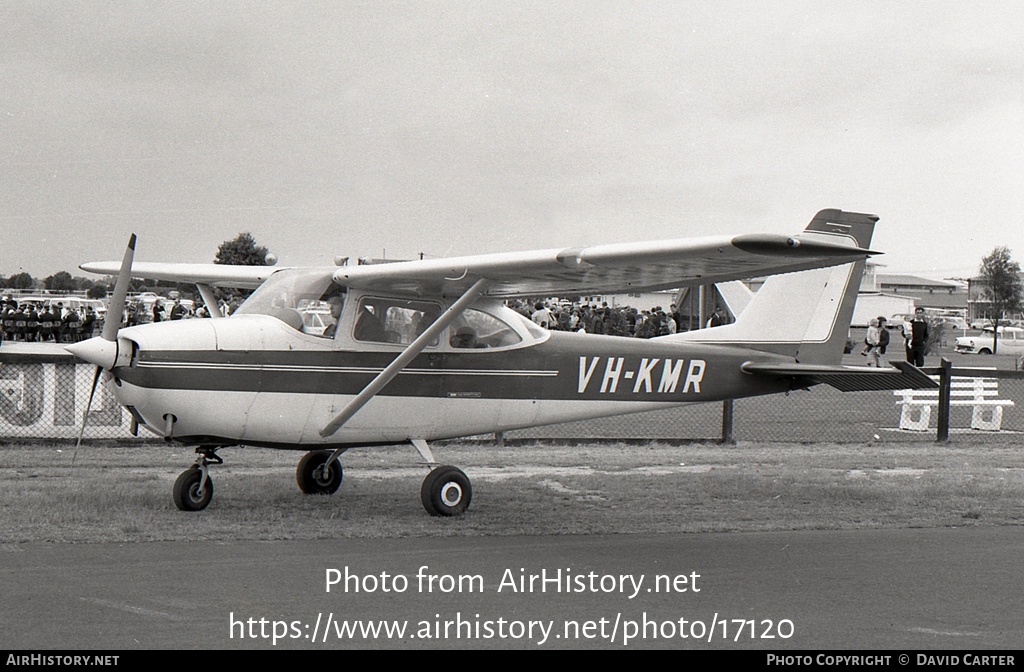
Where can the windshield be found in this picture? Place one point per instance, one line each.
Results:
(292, 295)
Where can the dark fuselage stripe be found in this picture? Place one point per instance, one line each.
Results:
(562, 367)
(198, 366)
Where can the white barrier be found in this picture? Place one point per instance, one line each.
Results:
(45, 399)
(979, 393)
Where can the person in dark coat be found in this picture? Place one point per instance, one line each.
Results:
(20, 324)
(917, 338)
(8, 318)
(48, 321)
(178, 311)
(71, 326)
(31, 324)
(88, 322)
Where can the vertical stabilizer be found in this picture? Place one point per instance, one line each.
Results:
(805, 315)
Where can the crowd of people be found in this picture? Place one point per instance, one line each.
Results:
(138, 312)
(51, 321)
(618, 321)
(54, 322)
(915, 339)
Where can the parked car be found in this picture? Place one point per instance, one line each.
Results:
(75, 303)
(954, 322)
(1011, 342)
(896, 321)
(981, 324)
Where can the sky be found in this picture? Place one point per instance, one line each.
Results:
(368, 129)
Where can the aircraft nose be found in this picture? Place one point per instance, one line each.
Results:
(103, 353)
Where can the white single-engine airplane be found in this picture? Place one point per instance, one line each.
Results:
(427, 350)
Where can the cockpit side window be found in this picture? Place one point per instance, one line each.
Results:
(394, 320)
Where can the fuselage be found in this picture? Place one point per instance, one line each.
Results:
(258, 380)
(376, 354)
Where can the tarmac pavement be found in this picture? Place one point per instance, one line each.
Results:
(906, 589)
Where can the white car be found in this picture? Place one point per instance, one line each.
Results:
(954, 323)
(1011, 342)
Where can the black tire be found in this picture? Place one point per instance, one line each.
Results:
(984, 351)
(186, 491)
(309, 474)
(446, 491)
(428, 483)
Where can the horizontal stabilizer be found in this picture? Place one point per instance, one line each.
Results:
(905, 376)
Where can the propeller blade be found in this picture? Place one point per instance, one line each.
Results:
(85, 415)
(115, 309)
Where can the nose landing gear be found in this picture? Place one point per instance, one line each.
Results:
(315, 476)
(193, 489)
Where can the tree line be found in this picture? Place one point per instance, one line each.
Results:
(62, 281)
(240, 250)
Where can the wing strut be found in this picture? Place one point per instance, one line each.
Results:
(210, 299)
(393, 369)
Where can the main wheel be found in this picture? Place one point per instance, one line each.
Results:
(186, 494)
(311, 477)
(446, 491)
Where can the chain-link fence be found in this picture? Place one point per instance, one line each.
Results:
(820, 414)
(989, 408)
(43, 394)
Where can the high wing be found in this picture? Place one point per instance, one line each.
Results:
(621, 267)
(618, 267)
(632, 267)
(214, 275)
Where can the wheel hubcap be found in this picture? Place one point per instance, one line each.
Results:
(322, 475)
(451, 494)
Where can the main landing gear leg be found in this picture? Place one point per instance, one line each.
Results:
(194, 489)
(446, 490)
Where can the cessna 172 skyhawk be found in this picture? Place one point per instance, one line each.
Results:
(427, 350)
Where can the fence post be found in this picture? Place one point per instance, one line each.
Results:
(727, 422)
(945, 381)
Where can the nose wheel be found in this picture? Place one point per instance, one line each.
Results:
(193, 489)
(315, 476)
